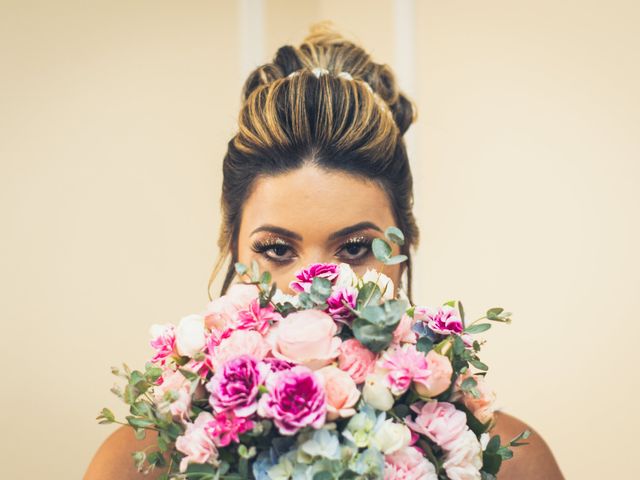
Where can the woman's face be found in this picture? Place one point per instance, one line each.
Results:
(312, 215)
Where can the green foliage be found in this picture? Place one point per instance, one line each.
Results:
(478, 328)
(375, 324)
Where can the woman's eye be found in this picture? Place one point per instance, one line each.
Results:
(355, 250)
(277, 252)
(274, 251)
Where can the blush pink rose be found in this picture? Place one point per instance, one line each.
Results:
(408, 463)
(239, 342)
(342, 392)
(439, 421)
(439, 378)
(220, 312)
(403, 332)
(463, 457)
(356, 359)
(176, 382)
(196, 444)
(306, 337)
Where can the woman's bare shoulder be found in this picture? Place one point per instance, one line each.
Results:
(530, 462)
(113, 458)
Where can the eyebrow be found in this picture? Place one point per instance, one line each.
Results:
(296, 236)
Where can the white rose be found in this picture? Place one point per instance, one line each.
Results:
(376, 393)
(463, 458)
(190, 335)
(384, 283)
(346, 276)
(280, 297)
(391, 437)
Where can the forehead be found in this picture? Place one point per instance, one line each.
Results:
(315, 202)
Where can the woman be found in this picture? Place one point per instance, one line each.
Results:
(318, 170)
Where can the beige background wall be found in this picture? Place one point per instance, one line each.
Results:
(114, 116)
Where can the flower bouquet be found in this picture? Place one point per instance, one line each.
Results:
(344, 380)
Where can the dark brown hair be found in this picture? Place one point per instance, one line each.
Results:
(355, 125)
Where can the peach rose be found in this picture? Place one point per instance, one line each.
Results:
(240, 342)
(482, 407)
(342, 392)
(306, 337)
(356, 359)
(440, 377)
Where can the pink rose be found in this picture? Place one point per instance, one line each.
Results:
(220, 312)
(239, 342)
(295, 399)
(305, 276)
(255, 317)
(306, 337)
(196, 444)
(404, 331)
(356, 359)
(463, 457)
(439, 421)
(445, 320)
(175, 382)
(235, 386)
(439, 378)
(342, 392)
(408, 463)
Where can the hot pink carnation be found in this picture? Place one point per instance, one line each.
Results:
(226, 428)
(257, 318)
(305, 276)
(335, 306)
(235, 386)
(405, 365)
(439, 421)
(295, 399)
(408, 463)
(445, 320)
(163, 342)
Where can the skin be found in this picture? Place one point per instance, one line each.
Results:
(310, 203)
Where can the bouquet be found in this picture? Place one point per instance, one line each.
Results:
(343, 380)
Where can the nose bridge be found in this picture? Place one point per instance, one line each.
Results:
(316, 254)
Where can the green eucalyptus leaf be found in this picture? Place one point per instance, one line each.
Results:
(395, 235)
(255, 271)
(240, 268)
(369, 293)
(139, 422)
(265, 278)
(371, 336)
(396, 259)
(424, 345)
(478, 328)
(381, 249)
(492, 313)
(478, 364)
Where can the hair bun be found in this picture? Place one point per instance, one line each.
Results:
(325, 50)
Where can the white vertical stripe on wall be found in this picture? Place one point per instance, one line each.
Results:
(251, 16)
(405, 58)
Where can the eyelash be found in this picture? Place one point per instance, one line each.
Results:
(264, 246)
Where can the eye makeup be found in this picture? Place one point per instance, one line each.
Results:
(354, 250)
